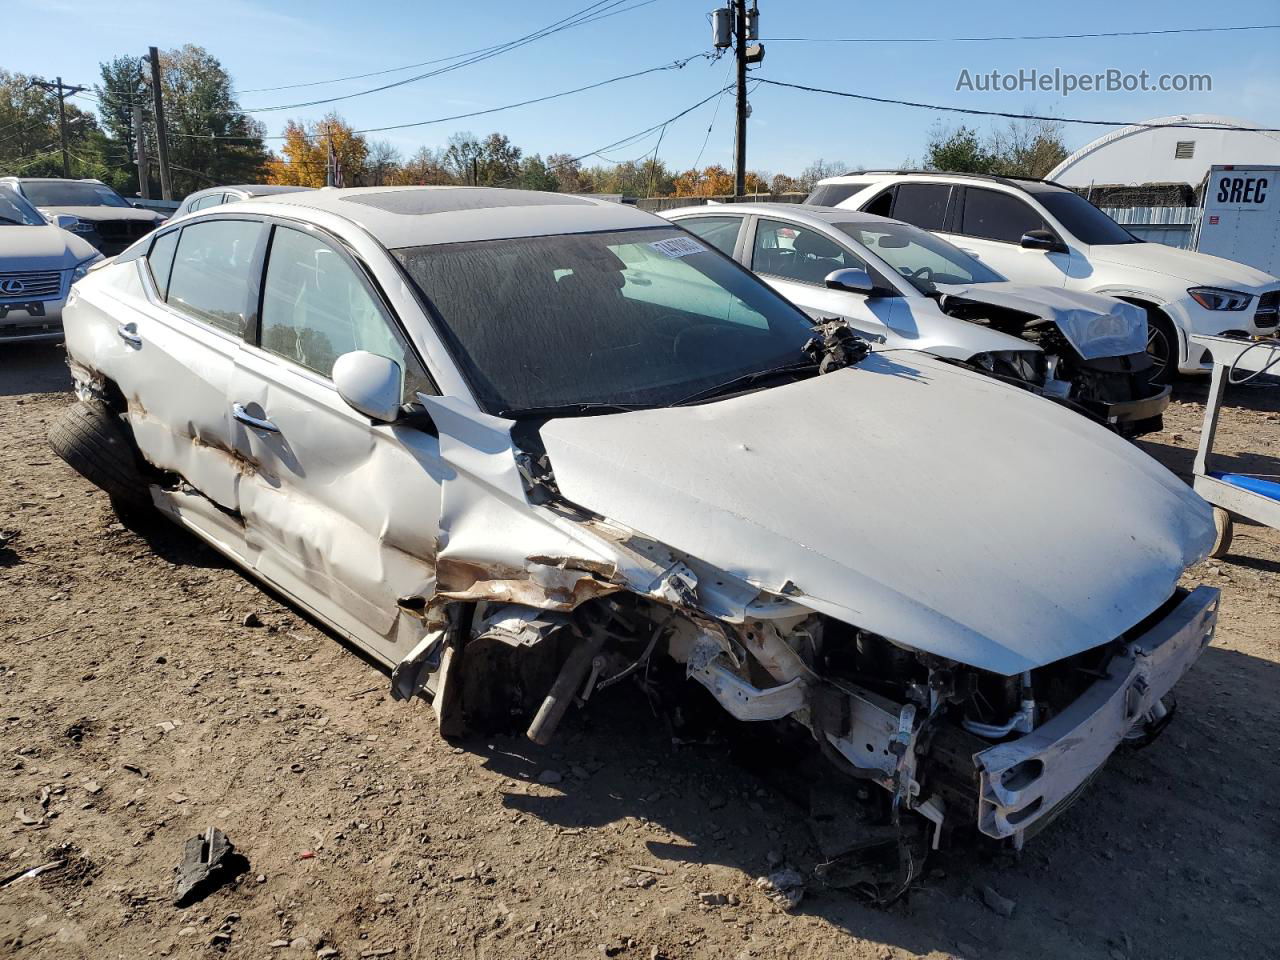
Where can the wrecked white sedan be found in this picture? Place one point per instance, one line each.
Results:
(520, 447)
(899, 286)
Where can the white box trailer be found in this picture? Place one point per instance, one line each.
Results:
(1241, 216)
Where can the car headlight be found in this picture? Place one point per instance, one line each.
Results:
(82, 227)
(83, 268)
(1019, 364)
(1216, 298)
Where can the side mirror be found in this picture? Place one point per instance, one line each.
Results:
(369, 384)
(65, 221)
(1045, 240)
(850, 281)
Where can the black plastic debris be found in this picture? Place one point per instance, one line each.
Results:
(208, 861)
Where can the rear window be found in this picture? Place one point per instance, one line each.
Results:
(833, 194)
(720, 232)
(213, 270)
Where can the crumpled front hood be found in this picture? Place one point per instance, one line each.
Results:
(96, 214)
(24, 249)
(1195, 269)
(1095, 325)
(932, 505)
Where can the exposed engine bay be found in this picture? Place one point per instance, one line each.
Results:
(1095, 363)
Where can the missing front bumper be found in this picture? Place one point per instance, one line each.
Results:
(1029, 780)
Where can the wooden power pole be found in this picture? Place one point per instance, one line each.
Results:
(63, 91)
(162, 139)
(740, 138)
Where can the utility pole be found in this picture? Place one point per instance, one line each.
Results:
(63, 91)
(740, 137)
(162, 139)
(140, 152)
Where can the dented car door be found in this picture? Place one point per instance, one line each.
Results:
(341, 512)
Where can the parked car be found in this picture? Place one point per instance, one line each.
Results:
(216, 196)
(38, 263)
(106, 219)
(522, 446)
(905, 288)
(1036, 231)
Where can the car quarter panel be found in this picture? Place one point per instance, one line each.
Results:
(172, 370)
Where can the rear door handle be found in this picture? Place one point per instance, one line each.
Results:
(128, 332)
(258, 423)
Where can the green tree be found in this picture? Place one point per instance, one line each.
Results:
(534, 174)
(211, 139)
(1024, 148)
(29, 139)
(959, 150)
(123, 85)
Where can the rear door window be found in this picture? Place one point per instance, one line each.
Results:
(720, 232)
(213, 272)
(997, 216)
(922, 205)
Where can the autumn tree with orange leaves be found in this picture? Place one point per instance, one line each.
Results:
(306, 153)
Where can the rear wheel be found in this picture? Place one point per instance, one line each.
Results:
(1223, 529)
(96, 444)
(1162, 347)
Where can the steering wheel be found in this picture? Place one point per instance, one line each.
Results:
(920, 274)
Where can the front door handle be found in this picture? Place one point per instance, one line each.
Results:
(128, 332)
(258, 423)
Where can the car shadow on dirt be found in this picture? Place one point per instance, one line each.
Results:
(1173, 831)
(27, 368)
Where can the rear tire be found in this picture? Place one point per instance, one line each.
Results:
(1162, 347)
(96, 444)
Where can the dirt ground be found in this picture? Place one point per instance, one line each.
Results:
(137, 709)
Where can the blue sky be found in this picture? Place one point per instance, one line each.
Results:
(265, 44)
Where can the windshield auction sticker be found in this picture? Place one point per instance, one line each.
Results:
(676, 247)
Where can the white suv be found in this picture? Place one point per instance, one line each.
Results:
(1036, 231)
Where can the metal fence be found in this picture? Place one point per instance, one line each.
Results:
(1172, 226)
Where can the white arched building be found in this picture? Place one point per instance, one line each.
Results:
(1155, 152)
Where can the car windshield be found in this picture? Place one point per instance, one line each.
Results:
(71, 193)
(640, 318)
(14, 211)
(920, 257)
(1083, 220)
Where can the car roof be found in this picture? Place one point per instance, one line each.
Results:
(799, 212)
(421, 216)
(1030, 184)
(254, 189)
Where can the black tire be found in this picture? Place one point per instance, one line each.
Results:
(96, 444)
(1162, 348)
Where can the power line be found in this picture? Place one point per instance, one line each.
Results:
(564, 23)
(1014, 116)
(426, 63)
(673, 65)
(714, 116)
(1043, 36)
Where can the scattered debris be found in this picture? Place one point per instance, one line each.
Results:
(712, 899)
(33, 872)
(550, 776)
(784, 887)
(206, 864)
(251, 619)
